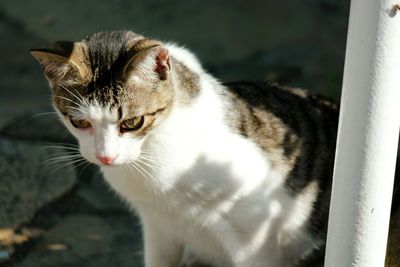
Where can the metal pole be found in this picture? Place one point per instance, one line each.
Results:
(367, 138)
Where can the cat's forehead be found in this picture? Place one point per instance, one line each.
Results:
(107, 53)
(102, 57)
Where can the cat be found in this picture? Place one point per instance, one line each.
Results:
(237, 173)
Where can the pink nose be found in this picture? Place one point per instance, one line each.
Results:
(105, 159)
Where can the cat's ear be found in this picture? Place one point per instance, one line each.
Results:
(63, 62)
(150, 61)
(162, 62)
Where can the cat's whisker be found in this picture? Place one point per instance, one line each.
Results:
(43, 114)
(56, 168)
(149, 164)
(68, 164)
(64, 134)
(78, 160)
(65, 144)
(143, 171)
(82, 163)
(78, 111)
(148, 178)
(151, 159)
(79, 108)
(80, 99)
(147, 152)
(60, 151)
(63, 151)
(86, 103)
(61, 147)
(97, 173)
(85, 164)
(61, 159)
(147, 172)
(84, 167)
(69, 100)
(129, 170)
(132, 164)
(149, 155)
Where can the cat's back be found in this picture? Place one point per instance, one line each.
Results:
(272, 111)
(292, 105)
(295, 127)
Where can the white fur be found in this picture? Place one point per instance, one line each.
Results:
(202, 187)
(185, 56)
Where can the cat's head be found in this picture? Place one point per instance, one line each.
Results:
(110, 90)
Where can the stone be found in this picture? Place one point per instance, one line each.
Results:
(4, 255)
(88, 240)
(97, 193)
(22, 85)
(28, 183)
(42, 125)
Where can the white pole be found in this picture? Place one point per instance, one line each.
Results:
(367, 138)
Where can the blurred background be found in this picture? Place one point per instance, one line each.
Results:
(60, 213)
(299, 43)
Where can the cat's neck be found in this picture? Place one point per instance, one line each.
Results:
(199, 110)
(196, 125)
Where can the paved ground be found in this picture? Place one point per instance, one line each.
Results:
(68, 217)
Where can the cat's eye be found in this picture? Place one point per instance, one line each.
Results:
(80, 123)
(133, 124)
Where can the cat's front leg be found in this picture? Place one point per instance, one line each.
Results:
(160, 248)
